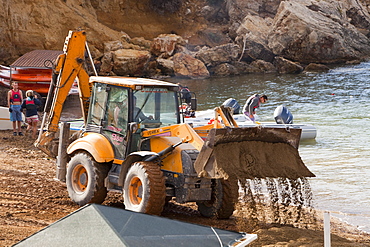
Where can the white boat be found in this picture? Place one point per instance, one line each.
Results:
(207, 117)
(5, 123)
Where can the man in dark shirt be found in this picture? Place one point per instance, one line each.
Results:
(252, 104)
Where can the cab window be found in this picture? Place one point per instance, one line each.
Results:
(115, 119)
(116, 115)
(98, 103)
(155, 107)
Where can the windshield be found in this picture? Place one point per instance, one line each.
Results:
(155, 107)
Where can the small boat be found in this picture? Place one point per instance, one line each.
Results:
(5, 123)
(33, 76)
(26, 74)
(4, 72)
(30, 79)
(37, 86)
(30, 71)
(283, 119)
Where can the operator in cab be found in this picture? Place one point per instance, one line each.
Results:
(139, 116)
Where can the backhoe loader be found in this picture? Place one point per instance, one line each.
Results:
(134, 141)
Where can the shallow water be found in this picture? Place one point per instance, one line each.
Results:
(337, 103)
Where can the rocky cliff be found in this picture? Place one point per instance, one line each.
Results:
(193, 38)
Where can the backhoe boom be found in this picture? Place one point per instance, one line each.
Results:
(69, 67)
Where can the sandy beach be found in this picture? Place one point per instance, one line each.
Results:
(31, 199)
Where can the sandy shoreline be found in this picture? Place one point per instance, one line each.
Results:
(30, 199)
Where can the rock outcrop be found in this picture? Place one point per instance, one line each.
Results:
(189, 67)
(194, 38)
(285, 66)
(41, 24)
(316, 32)
(165, 44)
(220, 54)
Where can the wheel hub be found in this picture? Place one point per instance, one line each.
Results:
(136, 190)
(79, 178)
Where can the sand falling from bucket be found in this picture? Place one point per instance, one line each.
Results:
(280, 201)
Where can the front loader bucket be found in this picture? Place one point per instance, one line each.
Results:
(247, 153)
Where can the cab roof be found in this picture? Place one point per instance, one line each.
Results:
(132, 82)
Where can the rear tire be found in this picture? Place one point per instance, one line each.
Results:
(223, 200)
(144, 189)
(85, 179)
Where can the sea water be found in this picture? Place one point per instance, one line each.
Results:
(337, 103)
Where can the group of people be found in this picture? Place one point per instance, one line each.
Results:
(17, 104)
(31, 103)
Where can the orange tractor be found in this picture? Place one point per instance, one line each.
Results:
(134, 141)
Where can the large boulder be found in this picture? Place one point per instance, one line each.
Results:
(252, 36)
(238, 9)
(264, 67)
(166, 66)
(220, 54)
(106, 64)
(316, 31)
(245, 68)
(210, 36)
(187, 66)
(165, 44)
(130, 62)
(314, 67)
(135, 44)
(141, 42)
(224, 69)
(285, 66)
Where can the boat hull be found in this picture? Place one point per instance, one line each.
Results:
(41, 87)
(26, 74)
(5, 123)
(206, 117)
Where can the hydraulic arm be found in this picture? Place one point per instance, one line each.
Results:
(69, 67)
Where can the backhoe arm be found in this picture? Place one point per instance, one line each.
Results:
(69, 66)
(227, 118)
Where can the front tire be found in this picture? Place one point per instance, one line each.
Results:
(223, 200)
(144, 189)
(85, 179)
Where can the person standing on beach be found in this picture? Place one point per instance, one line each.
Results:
(252, 104)
(15, 99)
(31, 103)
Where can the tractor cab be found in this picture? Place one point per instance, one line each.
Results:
(121, 107)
